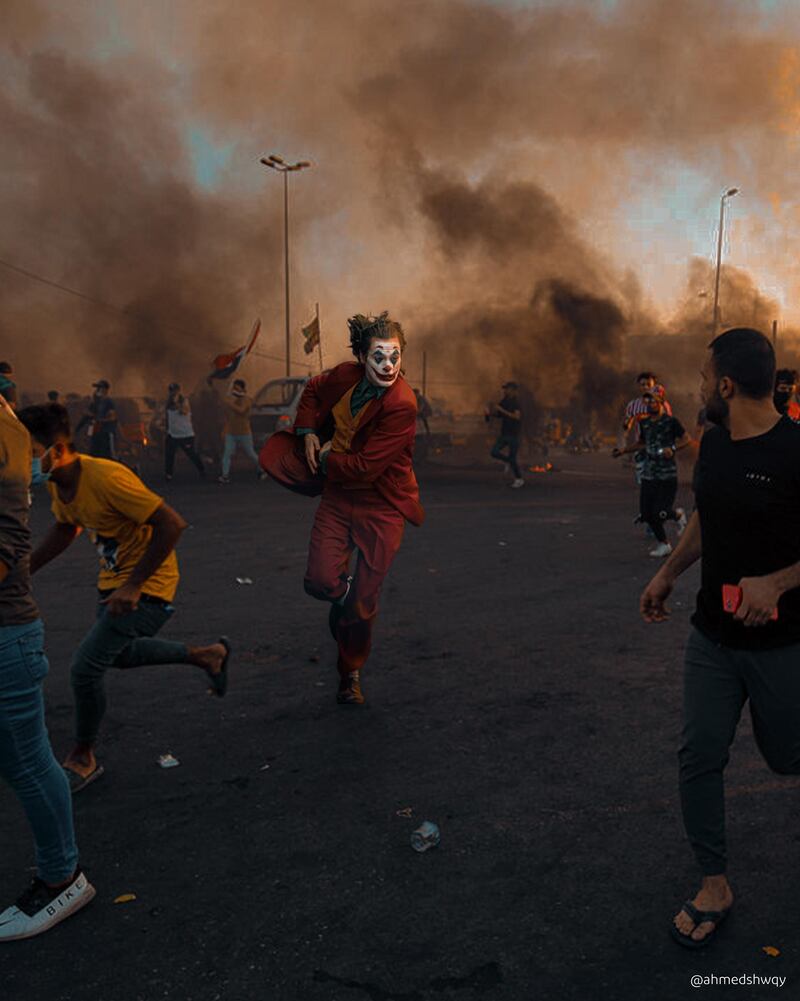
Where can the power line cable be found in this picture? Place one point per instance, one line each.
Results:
(148, 319)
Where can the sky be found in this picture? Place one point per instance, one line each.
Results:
(431, 127)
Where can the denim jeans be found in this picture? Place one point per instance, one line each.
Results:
(512, 444)
(26, 758)
(232, 441)
(117, 641)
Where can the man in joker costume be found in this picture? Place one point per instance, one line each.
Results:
(353, 443)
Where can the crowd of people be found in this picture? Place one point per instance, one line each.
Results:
(352, 444)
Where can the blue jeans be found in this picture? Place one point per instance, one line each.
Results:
(243, 441)
(117, 641)
(26, 758)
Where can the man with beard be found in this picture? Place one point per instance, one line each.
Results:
(353, 442)
(785, 395)
(661, 438)
(746, 532)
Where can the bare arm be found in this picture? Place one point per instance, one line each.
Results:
(59, 537)
(688, 551)
(167, 527)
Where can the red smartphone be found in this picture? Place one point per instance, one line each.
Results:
(732, 598)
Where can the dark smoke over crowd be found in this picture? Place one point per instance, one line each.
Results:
(472, 162)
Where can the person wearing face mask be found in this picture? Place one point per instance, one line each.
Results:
(746, 533)
(135, 534)
(238, 433)
(661, 437)
(785, 395)
(353, 443)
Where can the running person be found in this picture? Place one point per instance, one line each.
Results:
(746, 533)
(135, 533)
(356, 424)
(180, 432)
(508, 410)
(661, 437)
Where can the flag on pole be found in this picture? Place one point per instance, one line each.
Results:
(226, 365)
(311, 334)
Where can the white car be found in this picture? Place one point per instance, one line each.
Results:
(275, 406)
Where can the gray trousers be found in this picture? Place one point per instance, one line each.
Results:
(117, 641)
(718, 680)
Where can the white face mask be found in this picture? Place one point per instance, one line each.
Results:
(383, 362)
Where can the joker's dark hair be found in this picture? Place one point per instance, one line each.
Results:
(364, 328)
(47, 423)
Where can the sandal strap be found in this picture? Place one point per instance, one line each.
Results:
(699, 917)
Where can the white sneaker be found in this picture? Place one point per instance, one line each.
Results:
(40, 908)
(517, 484)
(682, 520)
(662, 549)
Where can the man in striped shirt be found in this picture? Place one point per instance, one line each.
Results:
(637, 411)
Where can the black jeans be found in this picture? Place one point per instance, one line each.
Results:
(656, 500)
(718, 680)
(187, 445)
(511, 456)
(101, 445)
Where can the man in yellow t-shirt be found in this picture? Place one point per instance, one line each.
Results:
(135, 534)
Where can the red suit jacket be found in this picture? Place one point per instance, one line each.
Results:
(381, 452)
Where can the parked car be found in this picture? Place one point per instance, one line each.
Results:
(275, 406)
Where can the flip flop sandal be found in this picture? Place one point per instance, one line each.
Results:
(717, 917)
(219, 682)
(78, 781)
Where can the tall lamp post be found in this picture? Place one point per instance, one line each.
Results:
(727, 194)
(279, 164)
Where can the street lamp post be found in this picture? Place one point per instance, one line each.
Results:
(727, 194)
(278, 163)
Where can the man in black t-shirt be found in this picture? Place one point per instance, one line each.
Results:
(746, 532)
(510, 427)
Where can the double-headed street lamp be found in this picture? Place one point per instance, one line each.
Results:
(279, 164)
(727, 194)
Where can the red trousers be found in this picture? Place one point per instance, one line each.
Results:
(348, 520)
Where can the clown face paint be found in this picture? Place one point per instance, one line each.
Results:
(382, 361)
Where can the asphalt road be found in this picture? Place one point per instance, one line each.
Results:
(514, 699)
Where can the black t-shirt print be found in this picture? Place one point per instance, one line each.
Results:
(748, 501)
(509, 428)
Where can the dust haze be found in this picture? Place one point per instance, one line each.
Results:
(473, 164)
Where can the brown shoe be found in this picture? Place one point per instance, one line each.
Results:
(349, 693)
